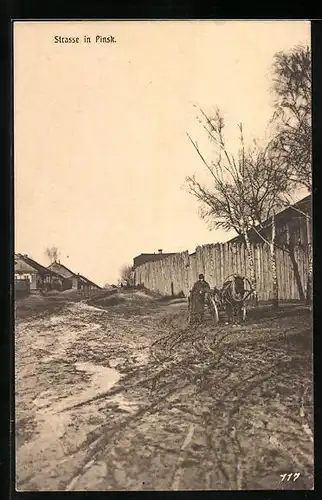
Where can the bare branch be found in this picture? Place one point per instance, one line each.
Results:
(292, 143)
(127, 275)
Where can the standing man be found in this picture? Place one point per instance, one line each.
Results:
(197, 299)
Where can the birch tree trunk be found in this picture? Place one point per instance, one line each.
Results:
(273, 264)
(251, 266)
(310, 263)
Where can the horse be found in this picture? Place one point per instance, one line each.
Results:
(232, 296)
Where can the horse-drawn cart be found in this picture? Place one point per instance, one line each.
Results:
(231, 299)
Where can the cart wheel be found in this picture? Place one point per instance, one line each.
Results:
(214, 311)
(244, 313)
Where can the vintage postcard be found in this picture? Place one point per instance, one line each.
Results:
(163, 255)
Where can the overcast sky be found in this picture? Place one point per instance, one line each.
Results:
(101, 152)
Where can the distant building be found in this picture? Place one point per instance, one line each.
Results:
(32, 276)
(149, 257)
(72, 280)
(292, 226)
(89, 284)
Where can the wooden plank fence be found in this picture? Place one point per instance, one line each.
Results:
(177, 273)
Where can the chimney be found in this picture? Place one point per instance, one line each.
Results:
(160, 250)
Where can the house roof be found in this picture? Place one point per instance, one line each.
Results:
(289, 211)
(88, 281)
(284, 215)
(35, 265)
(59, 266)
(149, 257)
(154, 254)
(72, 274)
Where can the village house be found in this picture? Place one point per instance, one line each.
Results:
(149, 257)
(88, 284)
(73, 281)
(32, 276)
(293, 227)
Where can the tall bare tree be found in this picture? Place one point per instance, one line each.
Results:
(245, 192)
(223, 203)
(287, 157)
(292, 141)
(52, 253)
(267, 184)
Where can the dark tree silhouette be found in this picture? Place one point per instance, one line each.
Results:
(127, 275)
(292, 141)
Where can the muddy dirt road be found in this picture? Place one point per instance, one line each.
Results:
(123, 396)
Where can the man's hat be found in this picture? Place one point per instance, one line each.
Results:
(201, 277)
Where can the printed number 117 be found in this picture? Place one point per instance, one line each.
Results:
(288, 477)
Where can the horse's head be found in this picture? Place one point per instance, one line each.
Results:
(239, 284)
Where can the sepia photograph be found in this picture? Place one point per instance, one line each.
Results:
(163, 263)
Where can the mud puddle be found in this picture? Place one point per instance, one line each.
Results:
(102, 379)
(54, 417)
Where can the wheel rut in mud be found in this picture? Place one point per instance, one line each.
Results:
(127, 397)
